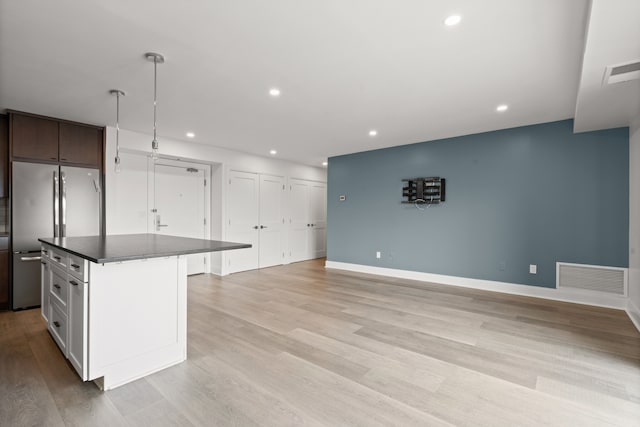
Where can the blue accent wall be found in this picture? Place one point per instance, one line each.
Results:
(529, 195)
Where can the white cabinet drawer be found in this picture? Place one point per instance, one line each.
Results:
(58, 257)
(46, 250)
(78, 267)
(59, 288)
(58, 326)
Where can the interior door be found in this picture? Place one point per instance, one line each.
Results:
(318, 219)
(179, 198)
(299, 224)
(271, 221)
(243, 222)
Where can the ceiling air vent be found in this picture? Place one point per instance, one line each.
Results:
(622, 73)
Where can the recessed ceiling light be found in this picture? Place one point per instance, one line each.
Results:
(452, 20)
(274, 91)
(191, 135)
(373, 132)
(273, 152)
(502, 108)
(325, 163)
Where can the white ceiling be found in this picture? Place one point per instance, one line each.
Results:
(344, 67)
(613, 37)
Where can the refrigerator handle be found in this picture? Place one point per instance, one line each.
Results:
(63, 205)
(56, 198)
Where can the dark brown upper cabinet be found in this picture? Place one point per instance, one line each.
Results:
(80, 145)
(34, 138)
(4, 156)
(42, 139)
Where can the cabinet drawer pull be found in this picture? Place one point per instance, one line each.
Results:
(56, 324)
(73, 282)
(76, 266)
(57, 258)
(55, 285)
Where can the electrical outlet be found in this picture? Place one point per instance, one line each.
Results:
(378, 255)
(342, 198)
(533, 269)
(502, 265)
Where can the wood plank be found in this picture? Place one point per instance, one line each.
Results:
(24, 396)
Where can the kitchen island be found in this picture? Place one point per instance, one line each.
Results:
(117, 305)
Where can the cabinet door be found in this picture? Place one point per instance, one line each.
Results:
(78, 322)
(299, 224)
(45, 278)
(318, 219)
(81, 145)
(58, 326)
(243, 222)
(34, 138)
(271, 220)
(4, 156)
(4, 279)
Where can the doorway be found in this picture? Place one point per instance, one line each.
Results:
(180, 204)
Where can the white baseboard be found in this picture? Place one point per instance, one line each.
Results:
(634, 313)
(568, 295)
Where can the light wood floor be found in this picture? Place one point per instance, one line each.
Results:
(301, 345)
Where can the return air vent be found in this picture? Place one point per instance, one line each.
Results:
(607, 280)
(622, 73)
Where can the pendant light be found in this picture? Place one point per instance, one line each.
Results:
(156, 58)
(118, 93)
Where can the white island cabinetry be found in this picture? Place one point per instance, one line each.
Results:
(134, 312)
(64, 304)
(117, 305)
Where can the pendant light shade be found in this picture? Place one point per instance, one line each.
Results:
(118, 93)
(156, 58)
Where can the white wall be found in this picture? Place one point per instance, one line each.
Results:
(634, 222)
(127, 206)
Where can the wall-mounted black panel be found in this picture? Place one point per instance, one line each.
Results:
(424, 190)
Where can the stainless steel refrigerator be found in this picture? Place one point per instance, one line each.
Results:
(48, 201)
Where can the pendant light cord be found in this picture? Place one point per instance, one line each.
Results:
(118, 127)
(155, 98)
(117, 93)
(157, 59)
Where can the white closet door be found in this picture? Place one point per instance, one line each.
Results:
(318, 219)
(271, 221)
(299, 224)
(243, 225)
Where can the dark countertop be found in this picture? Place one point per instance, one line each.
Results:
(126, 247)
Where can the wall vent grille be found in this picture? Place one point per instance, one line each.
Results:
(622, 73)
(607, 280)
